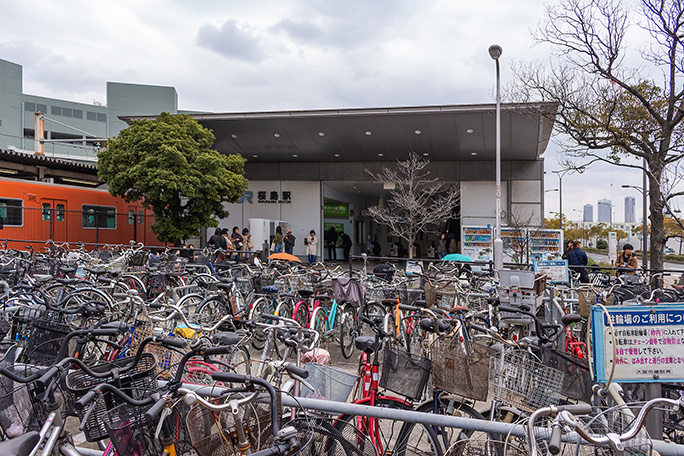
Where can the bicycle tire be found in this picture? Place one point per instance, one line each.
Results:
(210, 310)
(319, 322)
(302, 314)
(405, 439)
(348, 331)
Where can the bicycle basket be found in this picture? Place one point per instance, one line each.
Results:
(214, 434)
(329, 382)
(45, 340)
(461, 368)
(138, 258)
(404, 373)
(176, 267)
(519, 379)
(244, 285)
(578, 380)
(18, 411)
(136, 383)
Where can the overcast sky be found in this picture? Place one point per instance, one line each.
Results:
(226, 55)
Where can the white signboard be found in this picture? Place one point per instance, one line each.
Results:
(557, 270)
(649, 343)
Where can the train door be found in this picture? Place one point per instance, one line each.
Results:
(54, 215)
(135, 223)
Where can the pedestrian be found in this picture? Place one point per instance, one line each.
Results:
(311, 244)
(217, 241)
(568, 247)
(277, 242)
(346, 246)
(331, 242)
(246, 239)
(238, 242)
(453, 247)
(627, 261)
(442, 246)
(578, 260)
(289, 241)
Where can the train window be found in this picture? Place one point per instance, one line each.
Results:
(131, 217)
(59, 212)
(47, 211)
(140, 217)
(12, 211)
(98, 217)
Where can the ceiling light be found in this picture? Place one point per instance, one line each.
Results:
(381, 155)
(417, 132)
(320, 133)
(255, 155)
(277, 135)
(473, 153)
(469, 130)
(337, 155)
(425, 154)
(234, 136)
(9, 171)
(295, 155)
(368, 132)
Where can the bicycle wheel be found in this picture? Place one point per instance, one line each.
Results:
(302, 314)
(348, 331)
(453, 406)
(260, 306)
(319, 322)
(210, 310)
(403, 439)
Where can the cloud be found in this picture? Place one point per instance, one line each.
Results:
(231, 41)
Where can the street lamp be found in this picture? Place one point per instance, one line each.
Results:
(560, 174)
(495, 52)
(644, 234)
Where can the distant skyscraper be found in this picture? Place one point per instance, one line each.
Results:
(604, 211)
(630, 204)
(588, 213)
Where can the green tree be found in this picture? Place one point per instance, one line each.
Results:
(169, 166)
(611, 112)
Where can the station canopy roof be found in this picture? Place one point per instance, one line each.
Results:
(441, 133)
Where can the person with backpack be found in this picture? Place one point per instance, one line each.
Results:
(289, 241)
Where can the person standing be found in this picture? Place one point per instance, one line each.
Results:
(246, 241)
(442, 246)
(331, 242)
(627, 260)
(217, 241)
(238, 242)
(346, 246)
(311, 244)
(289, 242)
(568, 248)
(278, 240)
(453, 246)
(578, 260)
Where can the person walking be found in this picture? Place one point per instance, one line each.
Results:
(346, 246)
(331, 242)
(277, 242)
(289, 242)
(578, 260)
(238, 242)
(311, 244)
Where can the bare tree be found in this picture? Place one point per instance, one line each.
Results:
(516, 238)
(417, 201)
(612, 112)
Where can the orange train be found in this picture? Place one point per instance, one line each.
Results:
(34, 212)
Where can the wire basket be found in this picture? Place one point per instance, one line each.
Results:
(329, 382)
(244, 285)
(132, 434)
(45, 341)
(282, 284)
(300, 282)
(19, 413)
(578, 379)
(136, 383)
(321, 436)
(461, 368)
(374, 294)
(138, 258)
(519, 379)
(176, 267)
(214, 434)
(404, 373)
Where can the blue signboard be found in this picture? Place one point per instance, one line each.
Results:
(647, 344)
(557, 270)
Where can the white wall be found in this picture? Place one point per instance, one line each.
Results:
(478, 203)
(303, 212)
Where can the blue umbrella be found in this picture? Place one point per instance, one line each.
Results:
(457, 257)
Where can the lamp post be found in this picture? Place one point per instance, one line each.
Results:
(560, 174)
(644, 233)
(495, 52)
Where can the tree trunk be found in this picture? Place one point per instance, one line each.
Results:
(657, 236)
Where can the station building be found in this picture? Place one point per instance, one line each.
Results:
(310, 169)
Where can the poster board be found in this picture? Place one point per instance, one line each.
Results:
(648, 347)
(477, 242)
(556, 270)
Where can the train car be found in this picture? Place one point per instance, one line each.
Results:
(35, 212)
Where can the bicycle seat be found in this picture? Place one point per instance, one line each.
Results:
(458, 309)
(366, 344)
(428, 324)
(420, 303)
(322, 297)
(65, 280)
(305, 293)
(389, 302)
(227, 280)
(67, 269)
(270, 289)
(20, 446)
(226, 338)
(97, 272)
(118, 325)
(571, 318)
(225, 286)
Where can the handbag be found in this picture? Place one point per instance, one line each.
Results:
(250, 245)
(272, 246)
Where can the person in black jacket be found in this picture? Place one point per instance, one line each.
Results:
(578, 260)
(346, 245)
(216, 241)
(331, 243)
